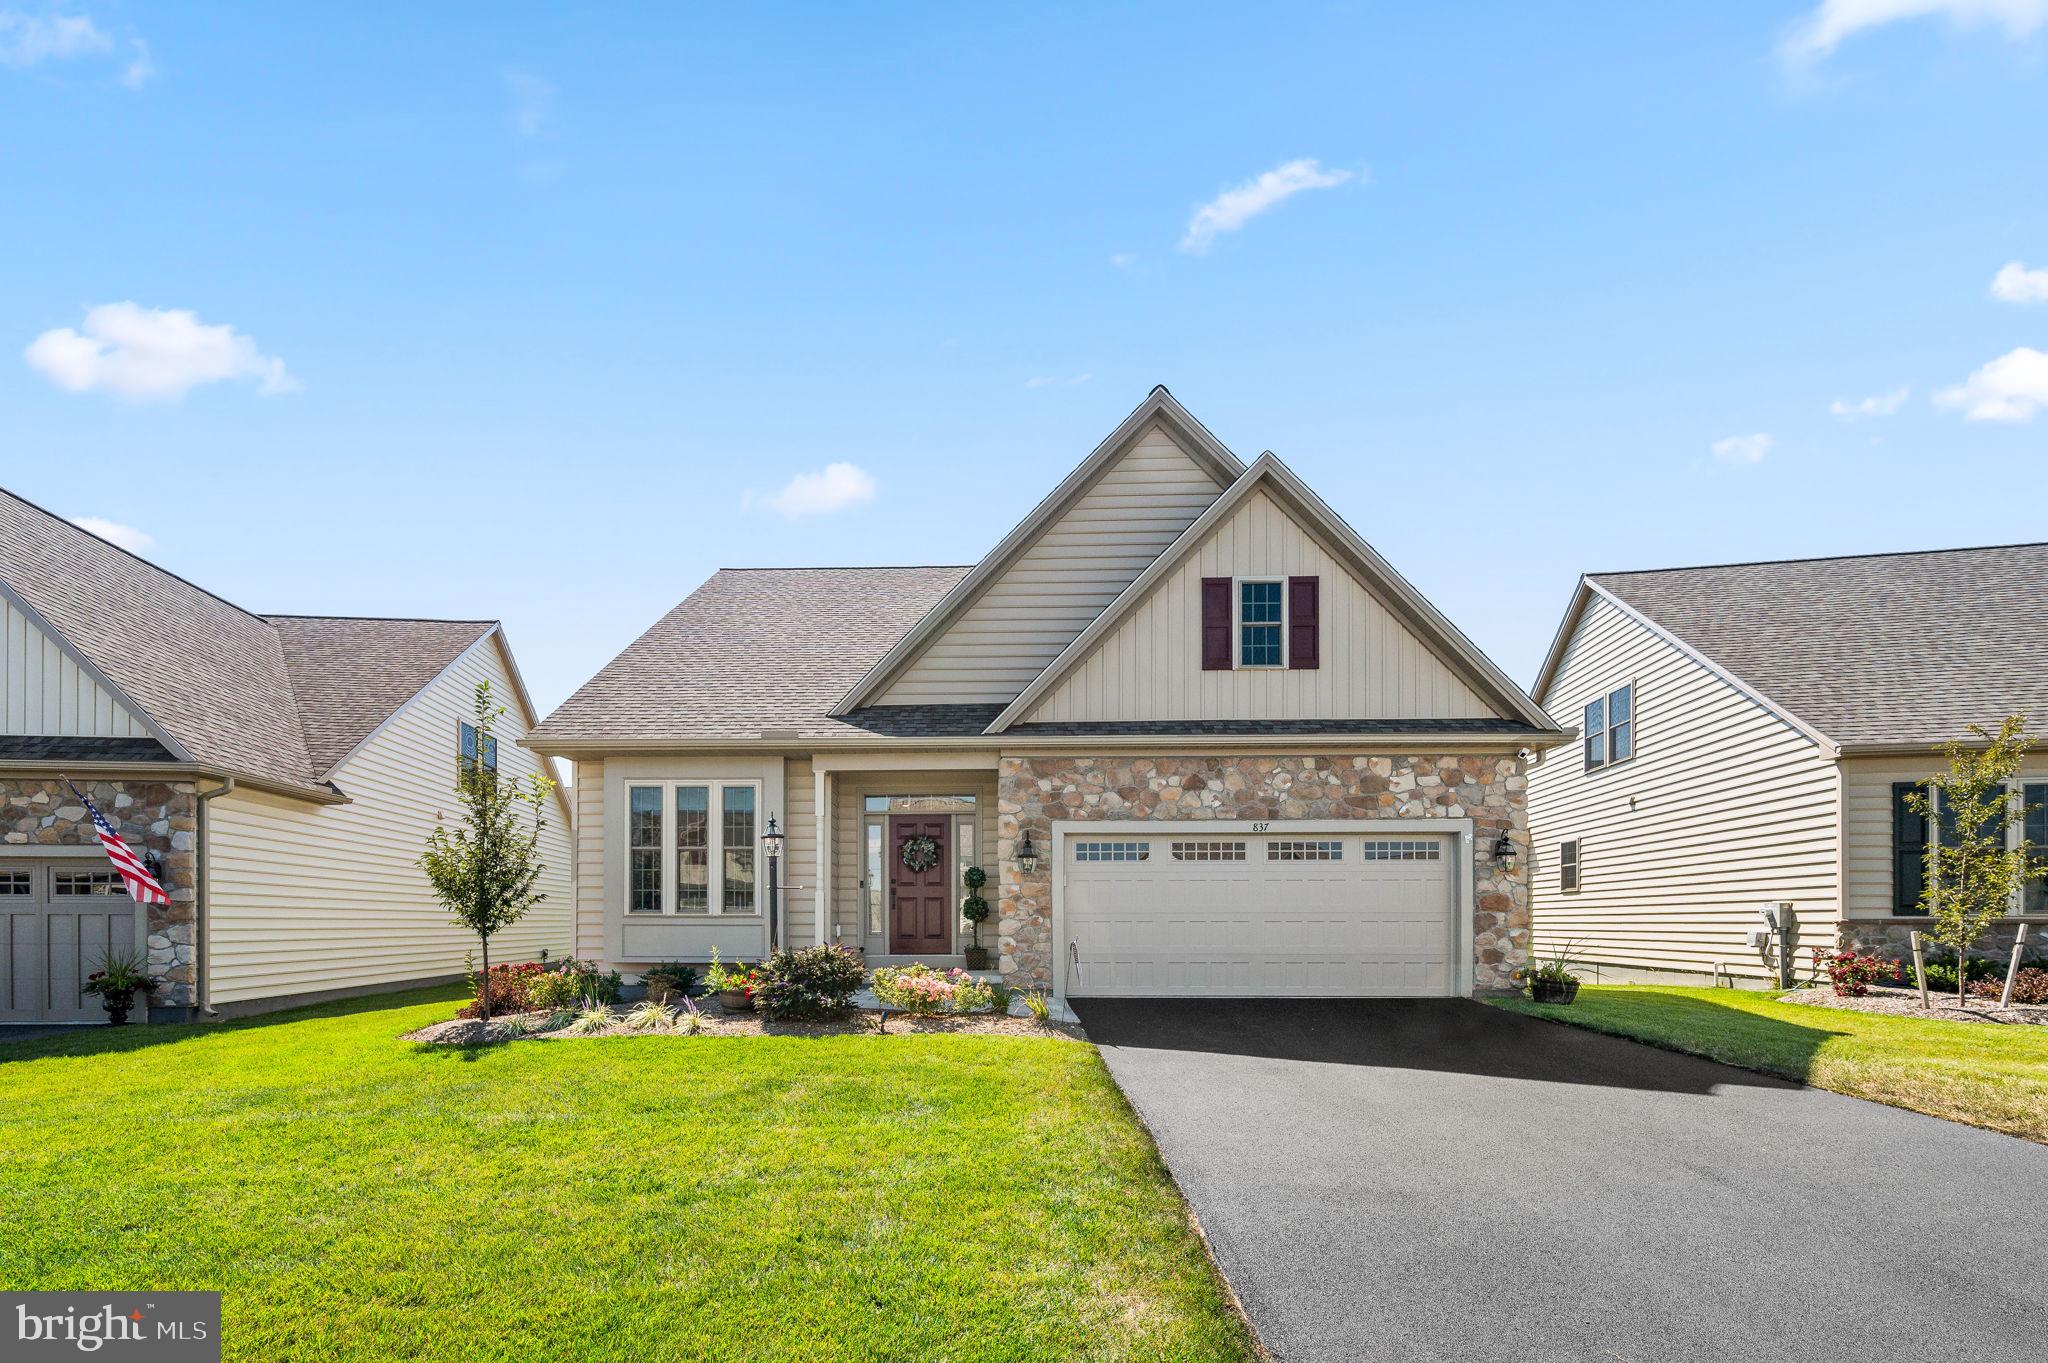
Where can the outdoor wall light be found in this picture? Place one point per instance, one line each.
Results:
(772, 839)
(1027, 854)
(1504, 853)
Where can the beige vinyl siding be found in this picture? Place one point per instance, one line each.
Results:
(47, 693)
(1867, 822)
(313, 897)
(1724, 807)
(849, 845)
(590, 878)
(1150, 665)
(1140, 503)
(800, 852)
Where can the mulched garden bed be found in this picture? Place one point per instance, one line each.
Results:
(1906, 1003)
(718, 1022)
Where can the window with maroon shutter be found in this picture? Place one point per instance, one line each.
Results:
(1304, 630)
(1216, 629)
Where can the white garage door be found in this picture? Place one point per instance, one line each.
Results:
(1301, 914)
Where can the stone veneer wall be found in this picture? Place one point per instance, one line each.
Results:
(1888, 938)
(1033, 792)
(157, 816)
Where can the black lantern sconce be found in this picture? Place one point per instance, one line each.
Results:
(1027, 854)
(1504, 854)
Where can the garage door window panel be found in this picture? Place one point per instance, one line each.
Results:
(1112, 851)
(1305, 850)
(1208, 851)
(78, 884)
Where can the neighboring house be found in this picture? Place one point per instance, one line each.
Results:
(284, 772)
(1749, 734)
(1203, 739)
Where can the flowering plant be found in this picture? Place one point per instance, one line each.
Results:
(921, 989)
(1852, 974)
(506, 987)
(720, 978)
(120, 976)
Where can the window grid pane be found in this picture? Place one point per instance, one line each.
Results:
(89, 883)
(1208, 851)
(1112, 851)
(1568, 866)
(643, 841)
(14, 882)
(1259, 624)
(693, 849)
(1305, 850)
(1596, 734)
(1402, 849)
(2034, 837)
(739, 849)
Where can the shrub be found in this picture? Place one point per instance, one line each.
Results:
(808, 985)
(1942, 974)
(673, 976)
(2029, 986)
(595, 1018)
(921, 989)
(551, 990)
(1852, 974)
(650, 1017)
(591, 983)
(507, 986)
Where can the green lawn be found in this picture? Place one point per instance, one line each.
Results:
(358, 1197)
(1981, 1073)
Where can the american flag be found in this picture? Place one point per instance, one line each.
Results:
(143, 887)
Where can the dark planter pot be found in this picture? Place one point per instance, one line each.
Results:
(977, 958)
(1553, 991)
(117, 1006)
(735, 1000)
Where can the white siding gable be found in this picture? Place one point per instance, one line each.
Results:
(44, 691)
(1027, 614)
(1149, 666)
(315, 897)
(1724, 807)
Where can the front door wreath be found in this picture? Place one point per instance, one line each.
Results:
(920, 854)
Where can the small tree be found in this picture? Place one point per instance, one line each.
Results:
(1973, 875)
(485, 871)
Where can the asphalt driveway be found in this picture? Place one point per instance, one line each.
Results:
(1411, 1179)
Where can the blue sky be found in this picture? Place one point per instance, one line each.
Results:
(508, 312)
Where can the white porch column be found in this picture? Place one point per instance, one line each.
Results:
(822, 795)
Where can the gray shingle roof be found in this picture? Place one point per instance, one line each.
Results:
(350, 673)
(1885, 648)
(273, 699)
(754, 651)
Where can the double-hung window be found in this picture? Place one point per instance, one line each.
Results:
(1261, 634)
(1568, 866)
(692, 847)
(2034, 837)
(1915, 837)
(1611, 728)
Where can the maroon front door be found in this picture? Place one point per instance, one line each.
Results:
(920, 902)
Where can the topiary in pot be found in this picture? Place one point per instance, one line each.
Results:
(975, 910)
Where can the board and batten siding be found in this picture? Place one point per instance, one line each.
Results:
(1867, 822)
(1724, 807)
(47, 693)
(1150, 665)
(1028, 613)
(308, 897)
(800, 852)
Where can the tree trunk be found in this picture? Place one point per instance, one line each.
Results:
(484, 994)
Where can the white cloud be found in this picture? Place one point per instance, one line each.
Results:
(1879, 404)
(26, 39)
(146, 354)
(2018, 284)
(2011, 388)
(1052, 381)
(1235, 207)
(1817, 35)
(127, 536)
(1123, 260)
(1743, 449)
(533, 100)
(140, 70)
(832, 488)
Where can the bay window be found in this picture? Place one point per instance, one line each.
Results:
(691, 847)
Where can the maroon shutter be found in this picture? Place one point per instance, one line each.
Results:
(1215, 624)
(1304, 632)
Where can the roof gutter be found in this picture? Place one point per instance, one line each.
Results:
(1375, 742)
(178, 771)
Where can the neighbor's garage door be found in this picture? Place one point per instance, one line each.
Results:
(1281, 914)
(58, 921)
